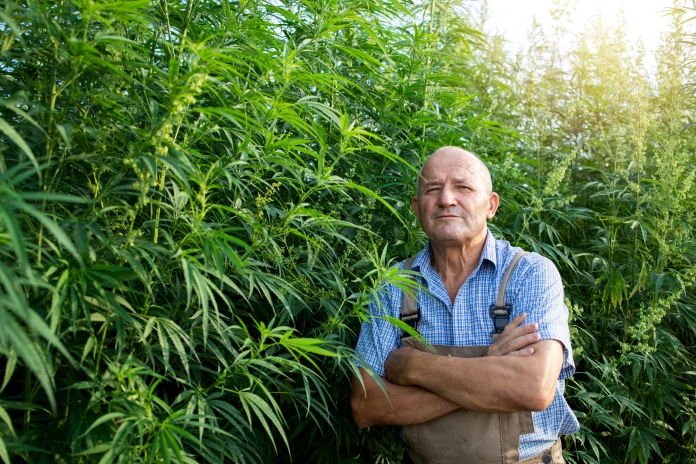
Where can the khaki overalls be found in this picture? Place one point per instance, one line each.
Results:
(463, 436)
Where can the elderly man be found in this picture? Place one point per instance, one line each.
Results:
(481, 396)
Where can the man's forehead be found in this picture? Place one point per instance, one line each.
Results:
(454, 164)
(452, 169)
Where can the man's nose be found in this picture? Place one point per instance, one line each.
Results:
(446, 196)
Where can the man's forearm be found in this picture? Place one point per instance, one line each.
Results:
(405, 405)
(477, 384)
(491, 384)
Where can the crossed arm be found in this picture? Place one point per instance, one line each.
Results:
(519, 373)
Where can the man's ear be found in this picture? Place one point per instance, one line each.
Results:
(493, 203)
(414, 204)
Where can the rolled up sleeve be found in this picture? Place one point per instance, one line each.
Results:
(378, 337)
(539, 293)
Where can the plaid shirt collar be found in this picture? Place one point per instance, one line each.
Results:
(423, 261)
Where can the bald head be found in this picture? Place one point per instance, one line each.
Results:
(455, 198)
(467, 158)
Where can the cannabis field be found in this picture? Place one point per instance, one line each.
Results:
(198, 199)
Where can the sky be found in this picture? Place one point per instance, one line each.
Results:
(512, 18)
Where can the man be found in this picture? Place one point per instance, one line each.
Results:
(469, 409)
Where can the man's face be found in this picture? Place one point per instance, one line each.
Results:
(454, 201)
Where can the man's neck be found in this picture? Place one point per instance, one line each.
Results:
(454, 263)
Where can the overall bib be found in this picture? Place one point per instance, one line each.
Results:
(464, 436)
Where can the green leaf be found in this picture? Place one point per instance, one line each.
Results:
(19, 141)
(105, 418)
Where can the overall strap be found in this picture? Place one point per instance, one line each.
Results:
(500, 311)
(410, 313)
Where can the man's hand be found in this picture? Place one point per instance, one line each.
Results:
(515, 339)
(397, 364)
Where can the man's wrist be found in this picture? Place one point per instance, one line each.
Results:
(417, 366)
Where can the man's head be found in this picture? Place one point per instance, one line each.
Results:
(455, 197)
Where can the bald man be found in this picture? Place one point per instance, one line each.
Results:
(490, 388)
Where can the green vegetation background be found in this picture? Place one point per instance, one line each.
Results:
(198, 199)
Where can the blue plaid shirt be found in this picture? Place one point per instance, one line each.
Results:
(535, 287)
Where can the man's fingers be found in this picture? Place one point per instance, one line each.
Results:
(516, 323)
(522, 341)
(513, 324)
(515, 338)
(512, 333)
(513, 329)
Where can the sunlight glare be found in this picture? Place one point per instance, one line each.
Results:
(645, 19)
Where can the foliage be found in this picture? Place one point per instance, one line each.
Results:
(199, 199)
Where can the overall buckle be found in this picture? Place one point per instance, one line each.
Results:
(500, 316)
(412, 322)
